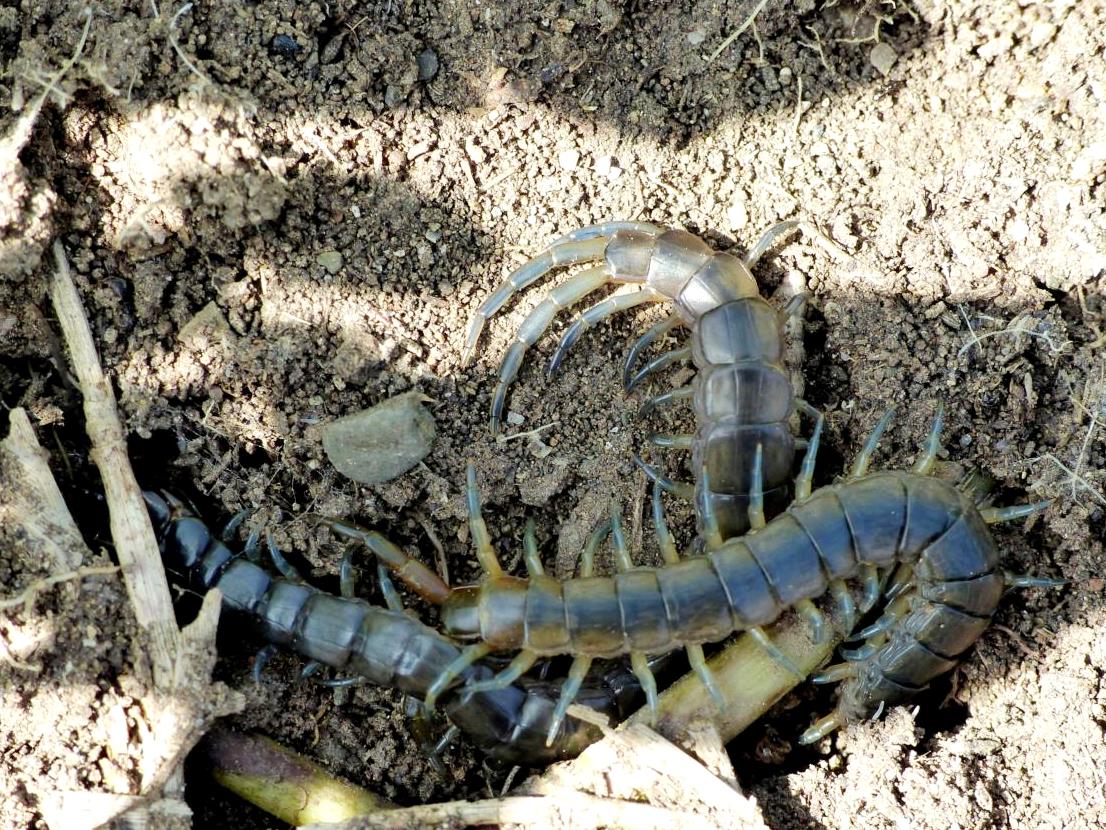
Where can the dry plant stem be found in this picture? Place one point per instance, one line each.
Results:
(566, 809)
(26, 597)
(750, 680)
(131, 531)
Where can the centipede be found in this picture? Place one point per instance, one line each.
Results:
(384, 646)
(930, 538)
(741, 393)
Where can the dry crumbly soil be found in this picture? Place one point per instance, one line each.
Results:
(281, 213)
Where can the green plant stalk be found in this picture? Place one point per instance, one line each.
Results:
(283, 783)
(750, 680)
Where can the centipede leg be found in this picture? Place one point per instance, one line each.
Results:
(869, 575)
(642, 343)
(388, 589)
(591, 316)
(819, 628)
(282, 564)
(994, 515)
(1012, 580)
(680, 394)
(658, 363)
(449, 675)
(665, 541)
(760, 636)
(864, 459)
(676, 488)
(766, 239)
(521, 664)
(530, 551)
(561, 252)
(576, 673)
(639, 663)
(712, 536)
(888, 620)
(822, 727)
(846, 608)
(834, 674)
(928, 459)
(698, 662)
(481, 539)
(804, 482)
(672, 442)
(260, 661)
(756, 491)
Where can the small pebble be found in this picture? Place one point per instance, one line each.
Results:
(330, 260)
(883, 57)
(569, 159)
(285, 45)
(427, 62)
(380, 443)
(515, 419)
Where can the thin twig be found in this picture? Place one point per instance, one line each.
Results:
(27, 596)
(737, 32)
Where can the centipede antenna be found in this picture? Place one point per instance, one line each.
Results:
(618, 540)
(860, 466)
(449, 675)
(642, 343)
(387, 588)
(677, 488)
(698, 662)
(411, 572)
(846, 608)
(819, 628)
(593, 315)
(805, 480)
(521, 664)
(260, 661)
(994, 515)
(821, 728)
(481, 540)
(761, 638)
(587, 558)
(672, 442)
(1013, 580)
(712, 536)
(926, 461)
(664, 539)
(835, 673)
(658, 363)
(282, 564)
(530, 550)
(639, 663)
(869, 574)
(576, 673)
(347, 575)
(756, 490)
(679, 394)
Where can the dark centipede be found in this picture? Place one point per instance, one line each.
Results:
(741, 393)
(388, 648)
(931, 536)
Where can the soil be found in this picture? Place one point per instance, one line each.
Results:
(278, 214)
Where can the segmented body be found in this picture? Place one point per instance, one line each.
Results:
(742, 393)
(879, 521)
(388, 648)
